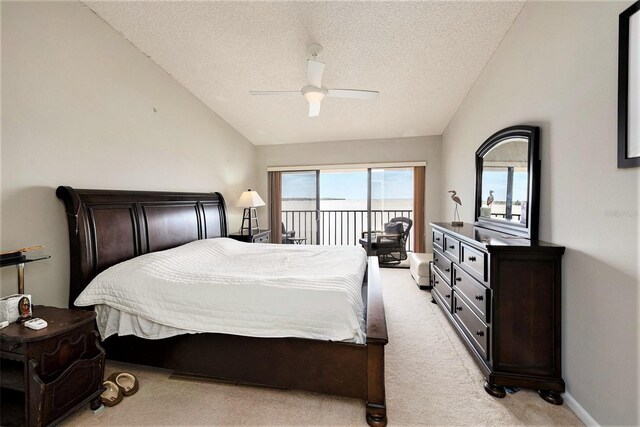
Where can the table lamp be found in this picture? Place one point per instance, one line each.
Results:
(250, 200)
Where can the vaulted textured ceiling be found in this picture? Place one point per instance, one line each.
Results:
(423, 57)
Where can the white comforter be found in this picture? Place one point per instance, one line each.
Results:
(225, 286)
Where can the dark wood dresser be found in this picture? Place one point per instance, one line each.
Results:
(48, 374)
(502, 294)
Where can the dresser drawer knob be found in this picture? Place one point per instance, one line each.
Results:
(448, 296)
(458, 279)
(435, 282)
(458, 308)
(437, 239)
(452, 247)
(447, 270)
(479, 297)
(436, 260)
(472, 258)
(480, 333)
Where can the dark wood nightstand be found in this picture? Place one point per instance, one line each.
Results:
(48, 374)
(260, 237)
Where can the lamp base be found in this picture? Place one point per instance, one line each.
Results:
(250, 222)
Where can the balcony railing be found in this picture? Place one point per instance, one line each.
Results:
(339, 227)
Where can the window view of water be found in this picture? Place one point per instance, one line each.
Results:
(342, 201)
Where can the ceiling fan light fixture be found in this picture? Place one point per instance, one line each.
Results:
(313, 94)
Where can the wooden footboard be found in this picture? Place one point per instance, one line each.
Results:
(376, 340)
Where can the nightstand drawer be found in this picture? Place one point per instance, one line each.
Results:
(72, 386)
(261, 238)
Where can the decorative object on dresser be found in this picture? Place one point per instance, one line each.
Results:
(250, 200)
(107, 227)
(456, 216)
(501, 290)
(259, 236)
(48, 374)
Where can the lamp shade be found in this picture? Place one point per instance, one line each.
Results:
(250, 199)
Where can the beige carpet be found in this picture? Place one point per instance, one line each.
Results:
(430, 379)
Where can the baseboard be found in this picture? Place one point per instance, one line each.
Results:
(579, 411)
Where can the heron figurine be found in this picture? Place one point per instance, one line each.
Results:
(490, 198)
(456, 216)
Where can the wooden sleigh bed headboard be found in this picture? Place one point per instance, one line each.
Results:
(110, 226)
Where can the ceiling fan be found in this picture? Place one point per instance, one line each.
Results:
(314, 92)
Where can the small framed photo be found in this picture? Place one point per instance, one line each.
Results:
(24, 308)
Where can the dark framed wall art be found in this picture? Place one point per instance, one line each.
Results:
(629, 88)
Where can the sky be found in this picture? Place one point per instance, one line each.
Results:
(390, 184)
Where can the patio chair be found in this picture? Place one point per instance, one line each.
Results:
(286, 235)
(389, 245)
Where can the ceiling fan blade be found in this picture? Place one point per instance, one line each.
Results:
(314, 72)
(352, 93)
(314, 109)
(276, 92)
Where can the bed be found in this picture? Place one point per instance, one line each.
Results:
(107, 227)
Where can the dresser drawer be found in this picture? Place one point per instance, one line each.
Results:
(478, 295)
(442, 265)
(442, 290)
(438, 239)
(474, 262)
(452, 248)
(474, 328)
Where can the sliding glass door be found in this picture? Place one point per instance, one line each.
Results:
(343, 206)
(335, 206)
(301, 206)
(391, 196)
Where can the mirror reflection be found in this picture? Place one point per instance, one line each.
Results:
(505, 181)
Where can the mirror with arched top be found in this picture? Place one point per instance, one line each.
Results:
(508, 182)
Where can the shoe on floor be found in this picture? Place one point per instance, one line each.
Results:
(127, 382)
(112, 394)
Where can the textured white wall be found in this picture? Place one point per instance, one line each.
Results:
(557, 68)
(83, 107)
(425, 148)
